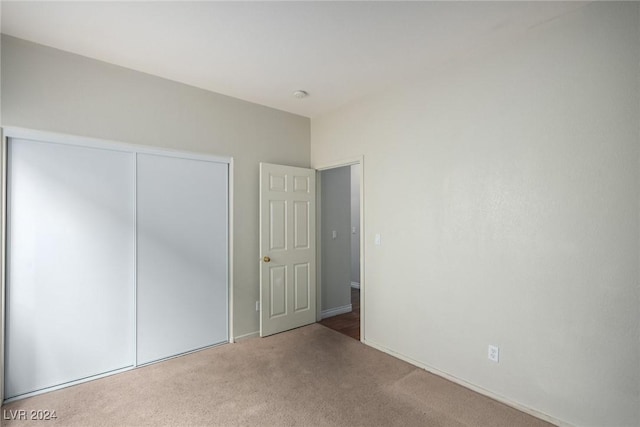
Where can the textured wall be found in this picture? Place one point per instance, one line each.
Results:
(506, 191)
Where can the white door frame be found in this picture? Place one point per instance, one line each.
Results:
(7, 132)
(323, 167)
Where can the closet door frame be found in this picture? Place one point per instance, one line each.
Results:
(8, 133)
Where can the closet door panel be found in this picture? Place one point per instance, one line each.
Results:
(182, 255)
(70, 264)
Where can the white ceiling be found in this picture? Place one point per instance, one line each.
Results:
(263, 51)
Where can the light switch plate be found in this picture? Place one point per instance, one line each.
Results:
(494, 353)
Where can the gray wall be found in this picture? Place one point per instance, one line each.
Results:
(355, 223)
(335, 215)
(52, 90)
(506, 191)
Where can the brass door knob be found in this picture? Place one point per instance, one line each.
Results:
(266, 259)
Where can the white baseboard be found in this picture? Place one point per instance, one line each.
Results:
(335, 311)
(477, 389)
(250, 335)
(355, 285)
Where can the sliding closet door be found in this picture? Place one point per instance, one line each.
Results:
(182, 255)
(70, 274)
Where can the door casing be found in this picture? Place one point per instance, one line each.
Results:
(320, 168)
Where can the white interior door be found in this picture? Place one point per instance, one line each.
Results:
(287, 248)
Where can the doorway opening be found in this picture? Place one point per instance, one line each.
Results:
(339, 251)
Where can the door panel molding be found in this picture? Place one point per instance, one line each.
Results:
(287, 245)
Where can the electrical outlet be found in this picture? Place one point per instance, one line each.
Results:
(494, 353)
(257, 305)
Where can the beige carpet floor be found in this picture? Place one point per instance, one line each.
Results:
(311, 376)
